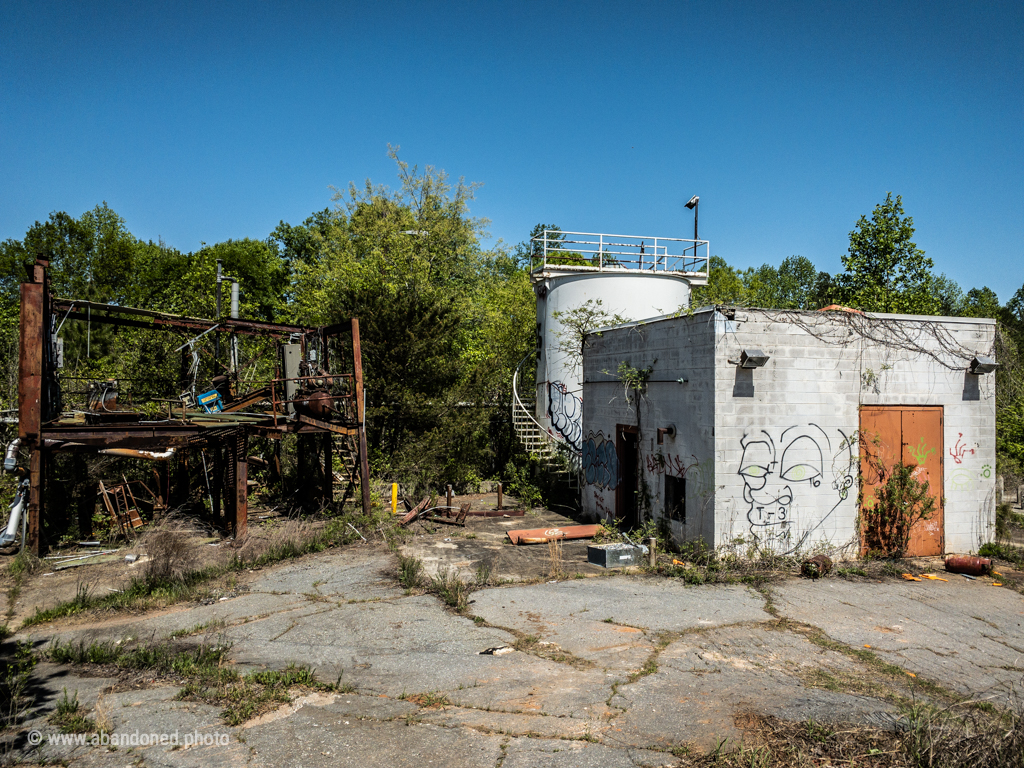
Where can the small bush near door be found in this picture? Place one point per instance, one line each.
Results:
(900, 501)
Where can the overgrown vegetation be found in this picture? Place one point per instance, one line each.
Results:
(69, 717)
(900, 501)
(172, 576)
(201, 668)
(925, 737)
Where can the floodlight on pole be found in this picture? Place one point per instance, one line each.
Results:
(692, 205)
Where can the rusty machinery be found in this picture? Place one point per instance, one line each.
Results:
(317, 389)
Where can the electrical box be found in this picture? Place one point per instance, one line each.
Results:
(614, 555)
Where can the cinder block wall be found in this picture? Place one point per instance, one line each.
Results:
(807, 400)
(770, 453)
(676, 348)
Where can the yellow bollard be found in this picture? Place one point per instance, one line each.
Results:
(394, 498)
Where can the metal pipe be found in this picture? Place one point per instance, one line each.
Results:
(133, 454)
(234, 337)
(11, 458)
(216, 340)
(18, 518)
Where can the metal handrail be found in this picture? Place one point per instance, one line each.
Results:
(574, 457)
(642, 252)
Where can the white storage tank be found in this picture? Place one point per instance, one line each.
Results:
(635, 277)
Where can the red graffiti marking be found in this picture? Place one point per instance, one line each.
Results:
(670, 465)
(958, 451)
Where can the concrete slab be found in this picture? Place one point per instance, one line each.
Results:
(318, 736)
(966, 635)
(539, 753)
(704, 680)
(358, 576)
(410, 645)
(657, 605)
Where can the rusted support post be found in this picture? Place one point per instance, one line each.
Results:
(364, 462)
(240, 516)
(36, 473)
(218, 483)
(31, 371)
(500, 496)
(328, 485)
(448, 495)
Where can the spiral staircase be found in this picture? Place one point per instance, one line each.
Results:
(556, 456)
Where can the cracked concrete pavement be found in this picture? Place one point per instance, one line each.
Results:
(626, 669)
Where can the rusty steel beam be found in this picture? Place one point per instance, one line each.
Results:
(327, 489)
(164, 320)
(240, 507)
(325, 425)
(364, 463)
(30, 362)
(36, 475)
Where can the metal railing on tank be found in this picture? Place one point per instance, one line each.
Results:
(601, 252)
(597, 252)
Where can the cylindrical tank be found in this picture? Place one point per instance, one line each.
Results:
(634, 295)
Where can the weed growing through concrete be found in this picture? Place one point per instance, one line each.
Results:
(170, 578)
(202, 671)
(450, 588)
(409, 570)
(69, 717)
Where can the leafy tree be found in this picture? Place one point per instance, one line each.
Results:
(578, 324)
(981, 302)
(790, 286)
(884, 270)
(443, 322)
(725, 286)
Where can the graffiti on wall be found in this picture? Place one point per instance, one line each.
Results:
(963, 478)
(782, 475)
(960, 450)
(566, 412)
(671, 464)
(600, 461)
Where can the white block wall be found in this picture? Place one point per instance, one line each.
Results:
(786, 432)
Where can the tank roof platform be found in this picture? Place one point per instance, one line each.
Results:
(561, 252)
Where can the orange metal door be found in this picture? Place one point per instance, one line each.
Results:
(912, 435)
(922, 446)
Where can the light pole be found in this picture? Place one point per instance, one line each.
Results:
(692, 205)
(694, 201)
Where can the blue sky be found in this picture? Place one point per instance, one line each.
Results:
(208, 121)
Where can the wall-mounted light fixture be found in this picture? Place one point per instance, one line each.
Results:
(670, 430)
(982, 364)
(751, 358)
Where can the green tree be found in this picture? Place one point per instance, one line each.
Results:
(443, 322)
(884, 270)
(725, 286)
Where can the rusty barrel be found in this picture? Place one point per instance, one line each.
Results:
(972, 566)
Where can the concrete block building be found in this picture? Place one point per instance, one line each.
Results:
(753, 422)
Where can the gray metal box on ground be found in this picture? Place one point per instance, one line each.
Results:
(614, 555)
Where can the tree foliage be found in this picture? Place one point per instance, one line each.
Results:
(884, 270)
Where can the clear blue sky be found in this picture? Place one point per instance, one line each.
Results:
(207, 121)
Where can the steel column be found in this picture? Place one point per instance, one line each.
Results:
(364, 463)
(240, 516)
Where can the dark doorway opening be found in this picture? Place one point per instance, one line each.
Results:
(627, 507)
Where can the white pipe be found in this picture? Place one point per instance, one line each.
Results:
(11, 458)
(17, 509)
(133, 454)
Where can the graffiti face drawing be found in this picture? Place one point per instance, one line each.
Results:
(781, 471)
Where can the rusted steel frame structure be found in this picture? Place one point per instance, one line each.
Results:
(43, 432)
